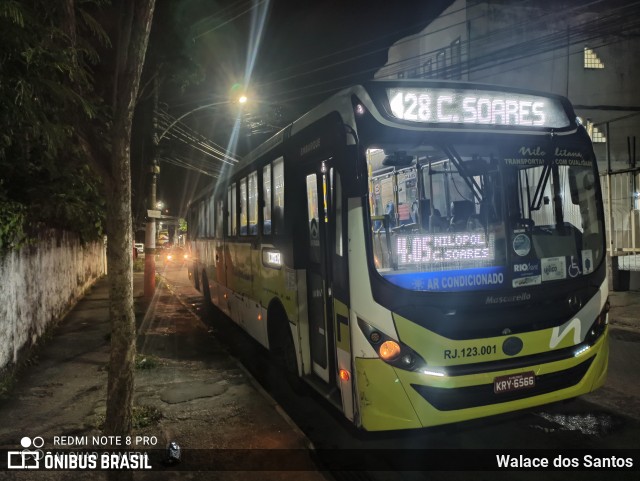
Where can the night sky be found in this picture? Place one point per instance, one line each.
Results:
(307, 50)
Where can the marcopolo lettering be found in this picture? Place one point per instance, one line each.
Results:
(524, 296)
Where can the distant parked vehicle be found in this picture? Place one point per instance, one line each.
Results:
(175, 255)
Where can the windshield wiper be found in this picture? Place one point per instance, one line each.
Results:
(542, 184)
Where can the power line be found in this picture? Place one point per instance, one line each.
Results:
(606, 24)
(357, 57)
(197, 141)
(213, 29)
(181, 126)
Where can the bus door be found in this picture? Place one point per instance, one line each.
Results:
(318, 271)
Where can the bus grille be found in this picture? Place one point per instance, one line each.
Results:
(445, 399)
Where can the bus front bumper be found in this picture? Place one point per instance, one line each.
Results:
(391, 398)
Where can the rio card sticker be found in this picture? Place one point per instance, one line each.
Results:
(553, 268)
(526, 274)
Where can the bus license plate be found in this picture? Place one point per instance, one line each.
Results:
(514, 382)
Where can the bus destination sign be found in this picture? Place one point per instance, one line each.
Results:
(473, 106)
(426, 249)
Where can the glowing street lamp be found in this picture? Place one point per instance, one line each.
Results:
(149, 267)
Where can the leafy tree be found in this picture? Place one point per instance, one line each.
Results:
(45, 88)
(57, 120)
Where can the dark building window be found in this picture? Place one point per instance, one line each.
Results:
(441, 64)
(427, 69)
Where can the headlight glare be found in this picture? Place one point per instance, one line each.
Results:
(392, 351)
(389, 350)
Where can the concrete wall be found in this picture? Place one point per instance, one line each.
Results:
(39, 283)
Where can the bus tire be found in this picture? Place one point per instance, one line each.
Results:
(291, 365)
(283, 348)
(196, 277)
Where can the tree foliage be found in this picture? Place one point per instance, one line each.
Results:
(46, 88)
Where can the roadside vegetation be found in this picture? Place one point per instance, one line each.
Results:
(46, 89)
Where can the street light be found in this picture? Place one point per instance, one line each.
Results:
(150, 235)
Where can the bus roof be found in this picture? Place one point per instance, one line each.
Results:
(452, 105)
(458, 105)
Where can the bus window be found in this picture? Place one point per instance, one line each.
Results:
(407, 194)
(484, 206)
(278, 196)
(219, 218)
(244, 217)
(266, 196)
(229, 204)
(211, 217)
(233, 220)
(337, 202)
(202, 219)
(314, 218)
(252, 203)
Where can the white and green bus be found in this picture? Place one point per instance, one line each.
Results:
(419, 252)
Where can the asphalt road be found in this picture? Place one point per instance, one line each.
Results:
(607, 419)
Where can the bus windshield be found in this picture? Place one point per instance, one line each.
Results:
(490, 212)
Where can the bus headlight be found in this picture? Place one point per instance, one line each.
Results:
(599, 325)
(389, 350)
(392, 351)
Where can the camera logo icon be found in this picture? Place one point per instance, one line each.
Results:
(29, 457)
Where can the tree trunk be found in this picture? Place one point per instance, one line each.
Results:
(120, 268)
(131, 47)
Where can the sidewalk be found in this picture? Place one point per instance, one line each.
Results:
(191, 390)
(625, 311)
(204, 399)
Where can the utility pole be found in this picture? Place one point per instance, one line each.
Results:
(150, 231)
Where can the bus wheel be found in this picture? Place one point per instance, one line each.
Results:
(290, 363)
(196, 278)
(284, 351)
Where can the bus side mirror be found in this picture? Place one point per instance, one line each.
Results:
(397, 159)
